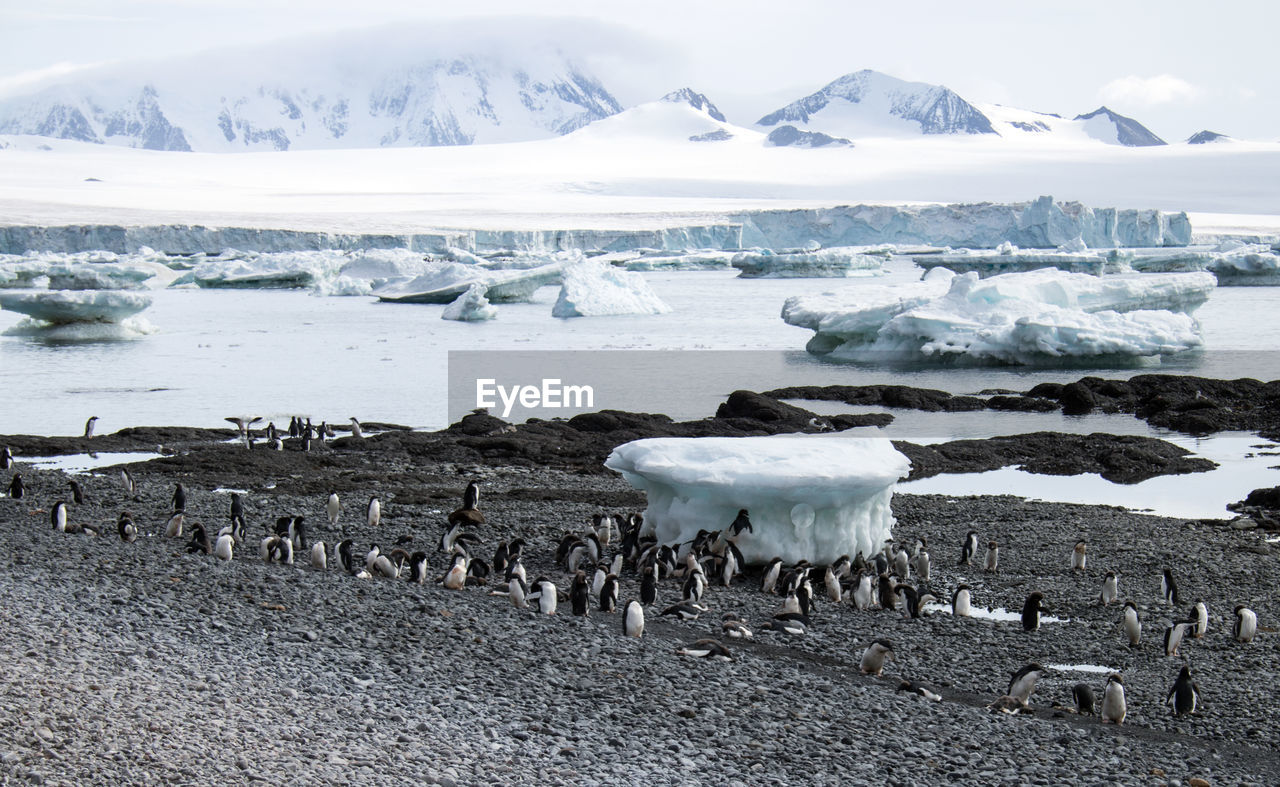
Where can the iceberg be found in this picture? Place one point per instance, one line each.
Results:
(1017, 318)
(837, 262)
(1235, 263)
(809, 498)
(446, 281)
(689, 261)
(594, 289)
(61, 307)
(1008, 258)
(470, 306)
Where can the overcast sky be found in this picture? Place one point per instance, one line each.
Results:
(1176, 66)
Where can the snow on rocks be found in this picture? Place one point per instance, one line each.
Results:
(470, 306)
(595, 289)
(809, 497)
(1020, 318)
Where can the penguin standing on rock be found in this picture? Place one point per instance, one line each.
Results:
(862, 594)
(222, 550)
(418, 568)
(873, 657)
(58, 516)
(333, 507)
(126, 480)
(373, 513)
(1083, 697)
(6, 458)
(1110, 589)
(992, 563)
(173, 528)
(580, 595)
(127, 529)
(1031, 610)
(1201, 616)
(179, 498)
(1169, 588)
(1079, 556)
(1174, 634)
(1113, 704)
(16, 490)
(1023, 682)
(961, 601)
(1184, 695)
(319, 557)
(609, 594)
(77, 493)
(1132, 624)
(89, 426)
(969, 550)
(1246, 625)
(633, 619)
(771, 574)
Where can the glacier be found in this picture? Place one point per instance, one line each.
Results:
(595, 289)
(809, 497)
(470, 306)
(1015, 318)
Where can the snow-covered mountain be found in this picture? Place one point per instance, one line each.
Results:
(1109, 126)
(1101, 124)
(367, 89)
(1207, 136)
(680, 115)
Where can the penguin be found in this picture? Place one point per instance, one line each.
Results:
(272, 434)
(608, 594)
(993, 557)
(356, 431)
(969, 550)
(732, 560)
(373, 512)
(912, 602)
(740, 523)
(501, 557)
(1023, 682)
(236, 529)
(173, 529)
(1184, 695)
(456, 578)
(16, 490)
(77, 493)
(1201, 615)
(922, 567)
(1031, 610)
(603, 526)
(695, 584)
(199, 540)
(295, 426)
(1079, 556)
(471, 496)
(345, 557)
(237, 506)
(922, 689)
(580, 595)
(222, 550)
(734, 626)
(633, 620)
(793, 623)
(873, 657)
(319, 557)
(370, 556)
(884, 593)
(832, 583)
(648, 587)
(126, 480)
(881, 563)
(89, 425)
(842, 567)
(469, 514)
(1246, 625)
(597, 580)
(1169, 588)
(1113, 705)
(771, 574)
(961, 600)
(684, 610)
(862, 595)
(1083, 697)
(6, 458)
(384, 566)
(517, 591)
(127, 529)
(333, 508)
(791, 605)
(1110, 589)
(1173, 636)
(418, 568)
(546, 593)
(179, 498)
(284, 551)
(1010, 705)
(1132, 624)
(706, 649)
(902, 564)
(516, 569)
(58, 516)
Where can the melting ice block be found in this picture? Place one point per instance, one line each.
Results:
(61, 307)
(836, 262)
(594, 289)
(470, 306)
(810, 498)
(445, 282)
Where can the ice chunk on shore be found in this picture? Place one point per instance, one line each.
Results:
(1018, 318)
(809, 497)
(470, 306)
(61, 307)
(594, 289)
(837, 262)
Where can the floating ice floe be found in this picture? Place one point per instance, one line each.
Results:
(595, 289)
(78, 315)
(81, 271)
(470, 306)
(446, 281)
(1234, 262)
(1020, 318)
(1007, 258)
(837, 262)
(809, 498)
(689, 261)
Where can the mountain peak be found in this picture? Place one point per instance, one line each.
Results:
(1107, 124)
(687, 95)
(1203, 137)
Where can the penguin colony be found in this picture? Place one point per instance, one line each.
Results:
(671, 581)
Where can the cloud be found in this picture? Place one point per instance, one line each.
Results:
(1149, 91)
(11, 84)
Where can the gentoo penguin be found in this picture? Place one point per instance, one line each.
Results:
(346, 558)
(356, 431)
(517, 591)
(199, 540)
(993, 557)
(633, 620)
(1169, 588)
(127, 529)
(544, 590)
(319, 557)
(1184, 695)
(884, 593)
(1201, 615)
(685, 610)
(373, 512)
(6, 458)
(222, 550)
(1023, 682)
(179, 498)
(1031, 610)
(648, 587)
(771, 574)
(58, 516)
(173, 529)
(1083, 696)
(706, 649)
(873, 657)
(922, 689)
(1246, 625)
(126, 480)
(1113, 706)
(1173, 636)
(333, 508)
(1132, 624)
(922, 567)
(456, 578)
(16, 490)
(609, 593)
(734, 626)
(1079, 556)
(89, 425)
(862, 594)
(580, 595)
(740, 523)
(969, 550)
(418, 568)
(1110, 589)
(960, 601)
(77, 493)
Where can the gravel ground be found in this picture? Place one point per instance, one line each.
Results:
(142, 664)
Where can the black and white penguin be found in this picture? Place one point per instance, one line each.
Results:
(685, 610)
(1246, 625)
(1132, 624)
(794, 623)
(544, 590)
(921, 689)
(237, 506)
(633, 619)
(515, 568)
(992, 563)
(771, 574)
(1023, 682)
(126, 480)
(6, 458)
(648, 586)
(740, 523)
(609, 593)
(89, 426)
(319, 556)
(921, 565)
(127, 529)
(272, 433)
(832, 584)
(418, 568)
(173, 528)
(580, 595)
(199, 540)
(58, 516)
(961, 601)
(295, 426)
(842, 567)
(734, 626)
(884, 593)
(179, 498)
(1184, 694)
(862, 594)
(346, 557)
(1113, 704)
(873, 657)
(912, 601)
(223, 548)
(1031, 610)
(1079, 556)
(77, 492)
(1169, 588)
(1110, 589)
(373, 512)
(388, 566)
(1174, 634)
(471, 495)
(356, 430)
(969, 550)
(333, 507)
(902, 564)
(456, 577)
(517, 591)
(1083, 697)
(881, 563)
(1201, 615)
(706, 649)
